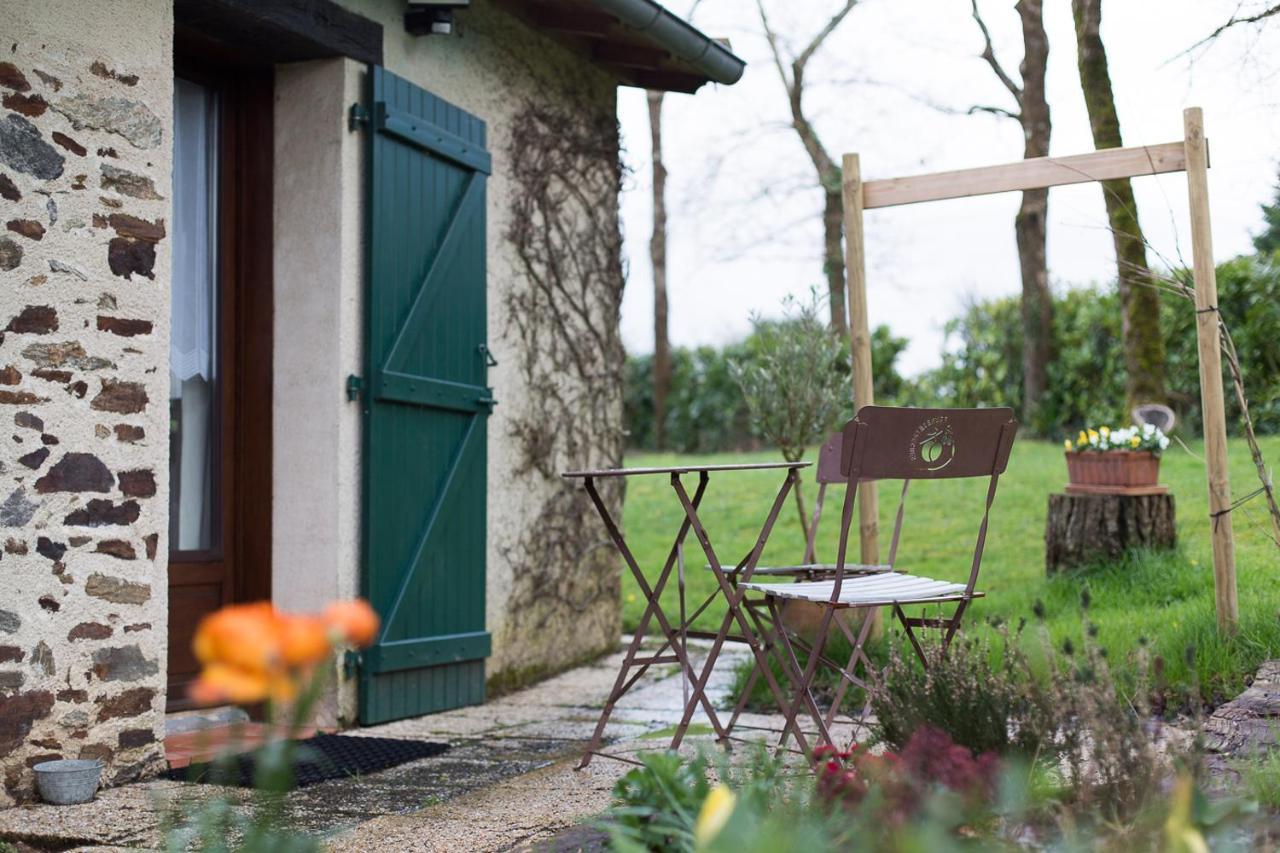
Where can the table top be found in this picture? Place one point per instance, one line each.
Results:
(683, 469)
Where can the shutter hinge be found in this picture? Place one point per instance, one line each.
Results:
(356, 116)
(354, 386)
(350, 663)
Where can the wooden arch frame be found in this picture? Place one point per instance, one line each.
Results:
(1190, 155)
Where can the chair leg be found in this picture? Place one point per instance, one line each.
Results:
(768, 645)
(954, 626)
(949, 627)
(906, 626)
(847, 676)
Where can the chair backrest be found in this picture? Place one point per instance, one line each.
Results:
(830, 471)
(830, 460)
(884, 443)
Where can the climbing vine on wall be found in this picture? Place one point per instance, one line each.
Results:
(563, 224)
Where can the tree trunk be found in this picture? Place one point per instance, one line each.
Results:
(802, 512)
(1083, 529)
(658, 259)
(829, 179)
(833, 258)
(1143, 345)
(1031, 224)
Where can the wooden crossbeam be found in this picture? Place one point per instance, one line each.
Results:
(1034, 173)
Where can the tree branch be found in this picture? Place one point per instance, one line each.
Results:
(989, 54)
(995, 111)
(772, 38)
(1234, 21)
(803, 59)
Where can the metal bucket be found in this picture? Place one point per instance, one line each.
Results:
(68, 781)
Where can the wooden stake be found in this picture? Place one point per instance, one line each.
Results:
(1211, 393)
(855, 264)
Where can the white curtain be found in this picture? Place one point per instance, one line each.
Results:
(193, 347)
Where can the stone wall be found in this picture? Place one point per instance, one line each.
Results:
(86, 90)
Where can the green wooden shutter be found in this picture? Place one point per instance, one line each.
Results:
(426, 404)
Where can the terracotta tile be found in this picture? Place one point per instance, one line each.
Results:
(208, 744)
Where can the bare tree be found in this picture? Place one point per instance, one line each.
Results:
(658, 259)
(1031, 223)
(1143, 345)
(791, 70)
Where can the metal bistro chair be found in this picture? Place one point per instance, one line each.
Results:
(829, 473)
(883, 443)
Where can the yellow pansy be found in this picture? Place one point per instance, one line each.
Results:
(1135, 441)
(1105, 430)
(1067, 445)
(714, 815)
(1082, 438)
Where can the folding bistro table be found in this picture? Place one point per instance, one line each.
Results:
(634, 665)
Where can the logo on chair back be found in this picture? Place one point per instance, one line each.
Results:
(933, 444)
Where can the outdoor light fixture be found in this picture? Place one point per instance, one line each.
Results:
(432, 17)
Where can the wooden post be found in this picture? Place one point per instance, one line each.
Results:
(1211, 403)
(855, 265)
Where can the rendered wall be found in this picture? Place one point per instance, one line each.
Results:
(319, 280)
(85, 160)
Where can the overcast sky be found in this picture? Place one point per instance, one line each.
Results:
(744, 225)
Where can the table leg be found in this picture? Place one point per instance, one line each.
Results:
(653, 609)
(733, 598)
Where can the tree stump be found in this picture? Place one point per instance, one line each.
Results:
(1081, 529)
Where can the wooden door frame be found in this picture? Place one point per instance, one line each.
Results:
(241, 561)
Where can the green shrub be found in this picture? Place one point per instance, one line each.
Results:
(983, 697)
(706, 410)
(795, 379)
(655, 805)
(1075, 716)
(982, 363)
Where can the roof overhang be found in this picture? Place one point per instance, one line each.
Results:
(638, 41)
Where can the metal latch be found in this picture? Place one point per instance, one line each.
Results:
(354, 386)
(489, 360)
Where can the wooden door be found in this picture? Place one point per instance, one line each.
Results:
(426, 404)
(220, 356)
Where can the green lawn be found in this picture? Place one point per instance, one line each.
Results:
(1165, 599)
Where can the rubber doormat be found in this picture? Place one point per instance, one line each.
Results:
(318, 759)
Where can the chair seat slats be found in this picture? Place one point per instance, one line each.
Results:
(889, 587)
(808, 568)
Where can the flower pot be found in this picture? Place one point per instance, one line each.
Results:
(68, 781)
(1113, 472)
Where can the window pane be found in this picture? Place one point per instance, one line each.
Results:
(193, 357)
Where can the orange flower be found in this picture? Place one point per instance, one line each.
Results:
(219, 683)
(353, 620)
(304, 640)
(253, 652)
(244, 636)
